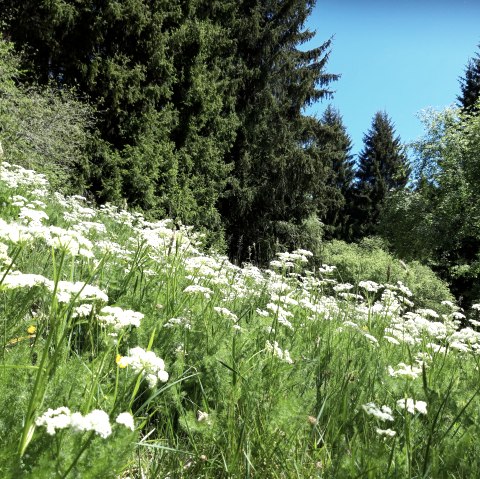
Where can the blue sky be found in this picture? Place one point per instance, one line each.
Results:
(400, 56)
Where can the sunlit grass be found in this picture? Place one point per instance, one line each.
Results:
(111, 323)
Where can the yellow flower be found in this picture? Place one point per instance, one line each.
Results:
(120, 360)
(31, 329)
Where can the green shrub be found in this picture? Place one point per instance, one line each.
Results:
(369, 259)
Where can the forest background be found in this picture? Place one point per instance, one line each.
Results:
(197, 111)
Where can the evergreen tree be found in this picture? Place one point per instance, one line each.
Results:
(277, 180)
(336, 147)
(383, 168)
(159, 74)
(470, 85)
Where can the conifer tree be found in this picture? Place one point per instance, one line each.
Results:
(159, 74)
(470, 85)
(336, 148)
(277, 181)
(383, 168)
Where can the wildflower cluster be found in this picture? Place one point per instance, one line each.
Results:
(96, 421)
(146, 363)
(228, 334)
(274, 348)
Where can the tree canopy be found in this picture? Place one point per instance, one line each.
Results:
(439, 220)
(199, 104)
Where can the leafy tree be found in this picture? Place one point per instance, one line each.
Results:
(470, 85)
(439, 221)
(383, 168)
(336, 147)
(277, 178)
(42, 127)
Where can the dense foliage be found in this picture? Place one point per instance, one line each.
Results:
(43, 127)
(199, 106)
(438, 220)
(131, 347)
(196, 111)
(279, 177)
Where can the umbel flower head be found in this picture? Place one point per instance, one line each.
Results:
(119, 318)
(146, 363)
(96, 421)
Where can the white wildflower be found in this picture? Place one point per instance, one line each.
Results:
(226, 313)
(384, 413)
(195, 288)
(404, 370)
(82, 311)
(16, 279)
(147, 363)
(343, 287)
(98, 421)
(54, 419)
(126, 419)
(119, 318)
(326, 269)
(428, 313)
(371, 338)
(411, 405)
(303, 252)
(66, 289)
(403, 289)
(386, 432)
(32, 216)
(181, 321)
(370, 286)
(278, 352)
(62, 418)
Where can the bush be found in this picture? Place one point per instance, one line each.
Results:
(369, 259)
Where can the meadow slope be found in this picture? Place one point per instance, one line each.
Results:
(128, 351)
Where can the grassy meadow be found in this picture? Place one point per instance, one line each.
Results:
(127, 351)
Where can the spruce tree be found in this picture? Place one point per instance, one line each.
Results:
(470, 85)
(159, 74)
(199, 105)
(277, 181)
(383, 168)
(336, 147)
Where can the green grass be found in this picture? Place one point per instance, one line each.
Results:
(268, 371)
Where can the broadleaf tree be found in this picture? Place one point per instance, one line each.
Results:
(438, 221)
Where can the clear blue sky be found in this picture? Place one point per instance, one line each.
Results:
(400, 56)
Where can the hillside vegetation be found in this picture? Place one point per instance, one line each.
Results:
(129, 352)
(200, 280)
